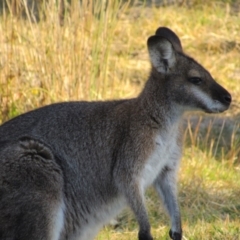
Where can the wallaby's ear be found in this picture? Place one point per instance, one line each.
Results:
(171, 37)
(162, 53)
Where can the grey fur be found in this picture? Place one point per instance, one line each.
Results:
(68, 168)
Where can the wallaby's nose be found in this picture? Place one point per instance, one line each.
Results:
(227, 99)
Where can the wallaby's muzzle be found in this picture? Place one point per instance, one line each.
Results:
(222, 97)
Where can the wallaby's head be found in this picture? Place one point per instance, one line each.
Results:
(186, 83)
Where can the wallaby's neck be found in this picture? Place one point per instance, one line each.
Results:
(157, 101)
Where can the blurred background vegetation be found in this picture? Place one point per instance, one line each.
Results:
(95, 50)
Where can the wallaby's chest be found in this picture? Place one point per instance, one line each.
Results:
(166, 152)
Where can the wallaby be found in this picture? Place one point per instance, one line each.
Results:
(68, 168)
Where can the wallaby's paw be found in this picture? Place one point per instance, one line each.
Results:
(175, 235)
(144, 236)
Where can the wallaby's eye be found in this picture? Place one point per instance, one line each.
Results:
(195, 80)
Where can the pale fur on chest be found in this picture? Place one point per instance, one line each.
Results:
(166, 153)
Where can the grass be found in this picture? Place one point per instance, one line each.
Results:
(102, 55)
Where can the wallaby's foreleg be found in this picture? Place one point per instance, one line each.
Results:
(166, 187)
(135, 198)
